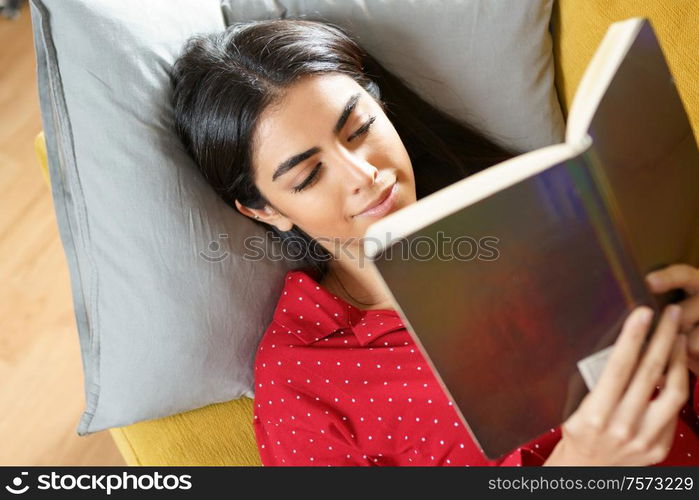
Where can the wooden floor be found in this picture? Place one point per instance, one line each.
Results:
(41, 384)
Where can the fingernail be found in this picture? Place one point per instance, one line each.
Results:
(645, 314)
(674, 311)
(654, 279)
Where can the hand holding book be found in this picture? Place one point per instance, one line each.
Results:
(685, 277)
(617, 423)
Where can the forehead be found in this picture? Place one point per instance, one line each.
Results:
(308, 111)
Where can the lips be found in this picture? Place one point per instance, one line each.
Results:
(379, 201)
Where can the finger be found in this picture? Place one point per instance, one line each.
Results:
(665, 409)
(650, 369)
(664, 440)
(674, 276)
(603, 398)
(690, 312)
(693, 350)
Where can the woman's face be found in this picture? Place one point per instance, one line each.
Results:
(323, 155)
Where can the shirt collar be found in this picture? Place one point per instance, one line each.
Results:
(311, 312)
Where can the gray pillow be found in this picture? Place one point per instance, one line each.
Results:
(488, 62)
(169, 314)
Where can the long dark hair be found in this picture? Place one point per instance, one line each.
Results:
(223, 81)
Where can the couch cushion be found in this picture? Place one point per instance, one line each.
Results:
(162, 294)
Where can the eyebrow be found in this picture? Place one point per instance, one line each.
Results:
(290, 163)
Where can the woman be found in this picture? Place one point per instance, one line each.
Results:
(300, 129)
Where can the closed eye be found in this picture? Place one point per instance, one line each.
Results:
(316, 170)
(308, 180)
(363, 129)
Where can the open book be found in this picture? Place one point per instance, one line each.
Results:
(516, 280)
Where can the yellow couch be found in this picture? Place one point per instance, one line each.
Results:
(224, 434)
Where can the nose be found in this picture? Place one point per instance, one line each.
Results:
(358, 173)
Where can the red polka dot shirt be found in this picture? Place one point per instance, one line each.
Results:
(337, 385)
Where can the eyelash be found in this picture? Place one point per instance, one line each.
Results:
(309, 181)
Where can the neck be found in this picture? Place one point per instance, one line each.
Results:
(359, 286)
